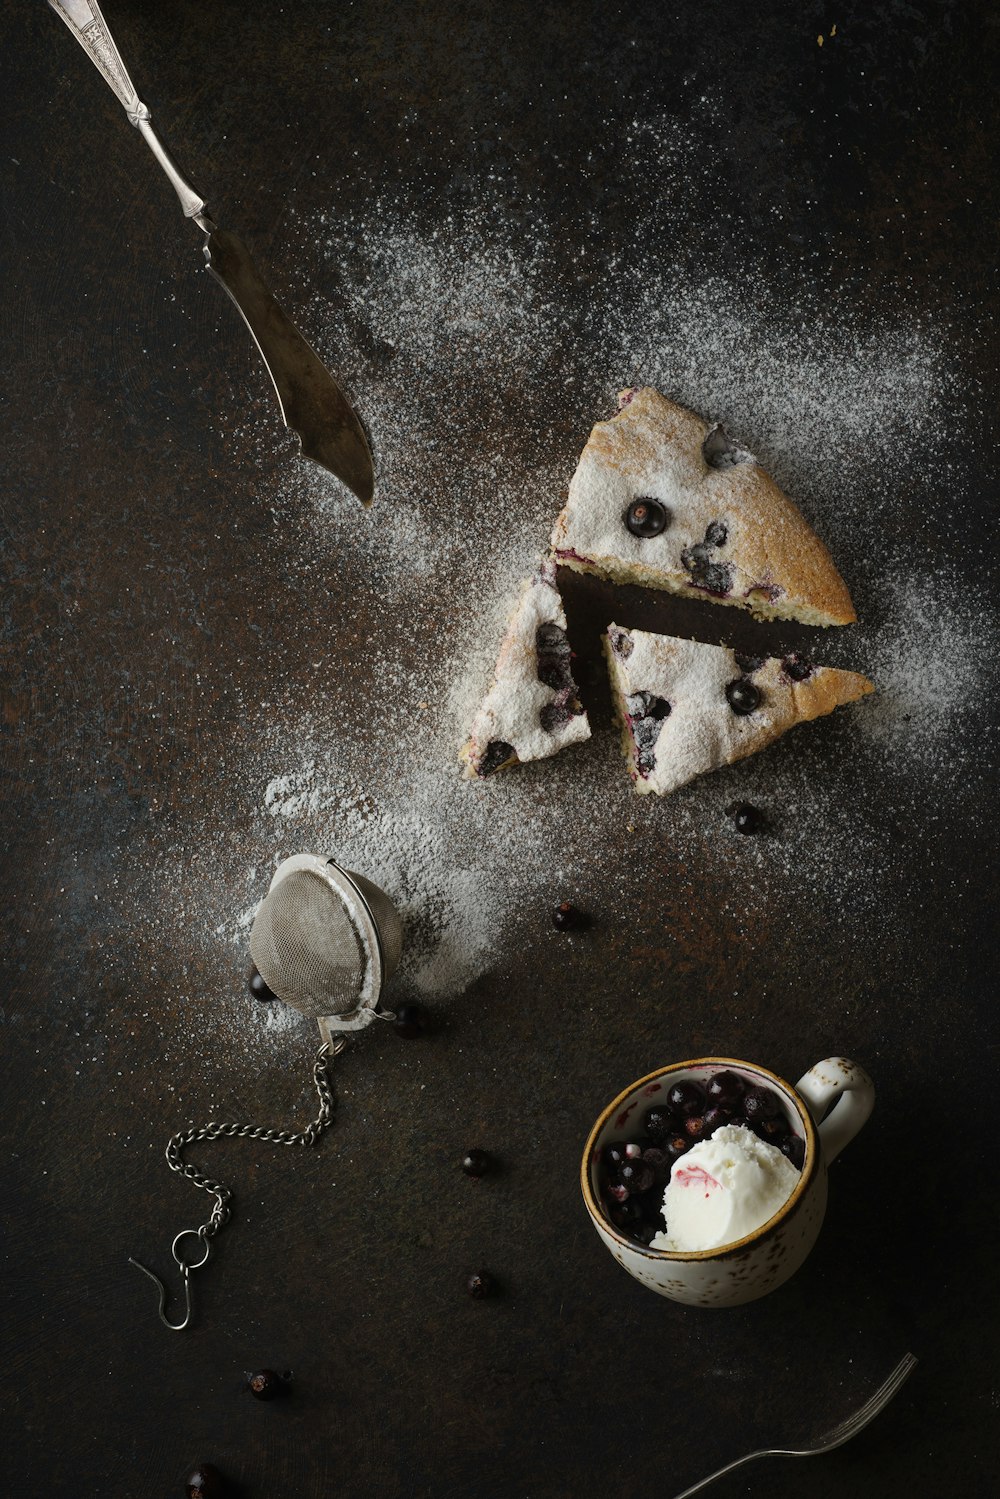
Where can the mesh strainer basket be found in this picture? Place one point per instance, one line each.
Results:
(326, 941)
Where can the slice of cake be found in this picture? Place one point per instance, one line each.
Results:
(532, 709)
(663, 499)
(687, 708)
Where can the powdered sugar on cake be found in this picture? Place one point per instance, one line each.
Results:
(687, 708)
(722, 527)
(532, 709)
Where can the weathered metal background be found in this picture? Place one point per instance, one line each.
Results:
(147, 606)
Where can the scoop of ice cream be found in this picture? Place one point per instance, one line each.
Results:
(722, 1189)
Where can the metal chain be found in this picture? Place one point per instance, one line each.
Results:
(220, 1213)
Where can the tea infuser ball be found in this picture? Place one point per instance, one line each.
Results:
(325, 941)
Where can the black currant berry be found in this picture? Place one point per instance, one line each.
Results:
(743, 696)
(569, 918)
(646, 517)
(659, 1160)
(613, 1156)
(686, 1097)
(638, 1176)
(206, 1482)
(725, 1090)
(410, 1020)
(795, 1149)
(498, 754)
(480, 1285)
(476, 1163)
(676, 1145)
(761, 1103)
(746, 818)
(797, 667)
(659, 1122)
(259, 989)
(266, 1384)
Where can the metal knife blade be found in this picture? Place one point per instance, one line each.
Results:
(312, 403)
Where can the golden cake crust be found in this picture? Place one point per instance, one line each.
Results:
(692, 727)
(776, 565)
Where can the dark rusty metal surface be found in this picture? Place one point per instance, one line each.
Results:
(146, 611)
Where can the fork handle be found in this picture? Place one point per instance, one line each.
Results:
(703, 1483)
(85, 21)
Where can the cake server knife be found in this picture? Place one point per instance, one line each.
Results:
(312, 403)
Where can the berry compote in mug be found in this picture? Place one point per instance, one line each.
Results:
(734, 1142)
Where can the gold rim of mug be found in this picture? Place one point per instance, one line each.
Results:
(809, 1165)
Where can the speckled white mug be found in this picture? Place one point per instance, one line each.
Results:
(827, 1107)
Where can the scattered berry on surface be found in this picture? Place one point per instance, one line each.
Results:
(410, 1020)
(266, 1384)
(746, 818)
(206, 1482)
(480, 1285)
(476, 1163)
(259, 989)
(569, 918)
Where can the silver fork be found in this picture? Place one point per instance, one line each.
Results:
(826, 1443)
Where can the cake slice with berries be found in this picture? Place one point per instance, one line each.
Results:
(687, 708)
(664, 499)
(532, 710)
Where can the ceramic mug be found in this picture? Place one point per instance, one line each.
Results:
(826, 1109)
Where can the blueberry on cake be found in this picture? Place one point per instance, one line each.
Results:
(532, 710)
(663, 499)
(687, 708)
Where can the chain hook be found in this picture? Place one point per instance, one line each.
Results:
(157, 1282)
(185, 1268)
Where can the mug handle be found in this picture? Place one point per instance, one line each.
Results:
(849, 1089)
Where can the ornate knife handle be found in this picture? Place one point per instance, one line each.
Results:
(84, 19)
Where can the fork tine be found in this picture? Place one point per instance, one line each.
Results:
(867, 1412)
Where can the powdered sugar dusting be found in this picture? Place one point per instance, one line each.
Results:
(936, 665)
(480, 377)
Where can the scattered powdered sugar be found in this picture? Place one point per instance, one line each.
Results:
(935, 659)
(479, 377)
